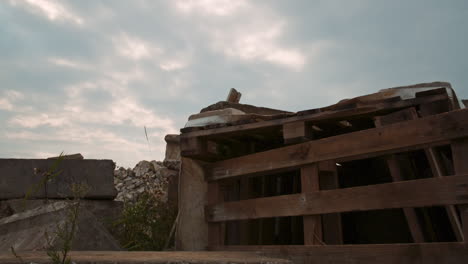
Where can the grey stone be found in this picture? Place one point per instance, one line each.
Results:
(27, 230)
(143, 167)
(20, 177)
(106, 211)
(172, 147)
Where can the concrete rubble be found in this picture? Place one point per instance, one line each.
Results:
(23, 222)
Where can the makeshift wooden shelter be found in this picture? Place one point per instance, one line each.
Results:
(380, 178)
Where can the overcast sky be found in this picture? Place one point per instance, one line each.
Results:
(87, 76)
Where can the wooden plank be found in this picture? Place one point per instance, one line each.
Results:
(414, 193)
(427, 253)
(296, 132)
(371, 142)
(312, 223)
(244, 191)
(331, 223)
(434, 163)
(410, 214)
(460, 164)
(347, 114)
(234, 96)
(395, 171)
(215, 230)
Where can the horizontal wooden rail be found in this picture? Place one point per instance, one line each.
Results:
(414, 193)
(320, 116)
(372, 142)
(427, 253)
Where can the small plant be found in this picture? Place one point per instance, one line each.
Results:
(65, 233)
(146, 224)
(59, 247)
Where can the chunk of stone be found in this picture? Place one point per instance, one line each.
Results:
(32, 229)
(172, 147)
(106, 211)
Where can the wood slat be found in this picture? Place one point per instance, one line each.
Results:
(372, 142)
(395, 170)
(331, 223)
(345, 114)
(312, 223)
(215, 230)
(460, 164)
(414, 193)
(427, 253)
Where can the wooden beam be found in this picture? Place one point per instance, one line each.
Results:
(296, 132)
(331, 223)
(414, 193)
(460, 164)
(347, 114)
(366, 143)
(427, 253)
(215, 230)
(234, 96)
(410, 213)
(395, 171)
(312, 223)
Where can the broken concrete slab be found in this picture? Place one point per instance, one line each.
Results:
(106, 211)
(28, 177)
(32, 229)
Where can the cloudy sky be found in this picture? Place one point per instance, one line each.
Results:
(87, 76)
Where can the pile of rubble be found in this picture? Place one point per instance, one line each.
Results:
(156, 178)
(147, 177)
(48, 186)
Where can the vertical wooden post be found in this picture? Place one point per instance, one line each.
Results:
(296, 132)
(460, 164)
(331, 223)
(215, 230)
(244, 190)
(312, 223)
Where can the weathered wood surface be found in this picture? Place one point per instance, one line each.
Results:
(215, 230)
(414, 193)
(331, 223)
(427, 253)
(413, 134)
(460, 164)
(395, 170)
(192, 228)
(148, 257)
(434, 163)
(341, 114)
(312, 223)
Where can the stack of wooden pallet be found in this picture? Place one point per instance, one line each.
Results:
(381, 178)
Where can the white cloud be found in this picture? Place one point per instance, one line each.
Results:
(173, 65)
(69, 63)
(210, 7)
(51, 9)
(34, 120)
(5, 104)
(258, 43)
(134, 48)
(8, 99)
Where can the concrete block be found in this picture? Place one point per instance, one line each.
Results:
(27, 230)
(19, 177)
(105, 211)
(172, 147)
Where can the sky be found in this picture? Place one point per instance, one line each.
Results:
(88, 76)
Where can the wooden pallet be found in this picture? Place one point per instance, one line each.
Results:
(291, 180)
